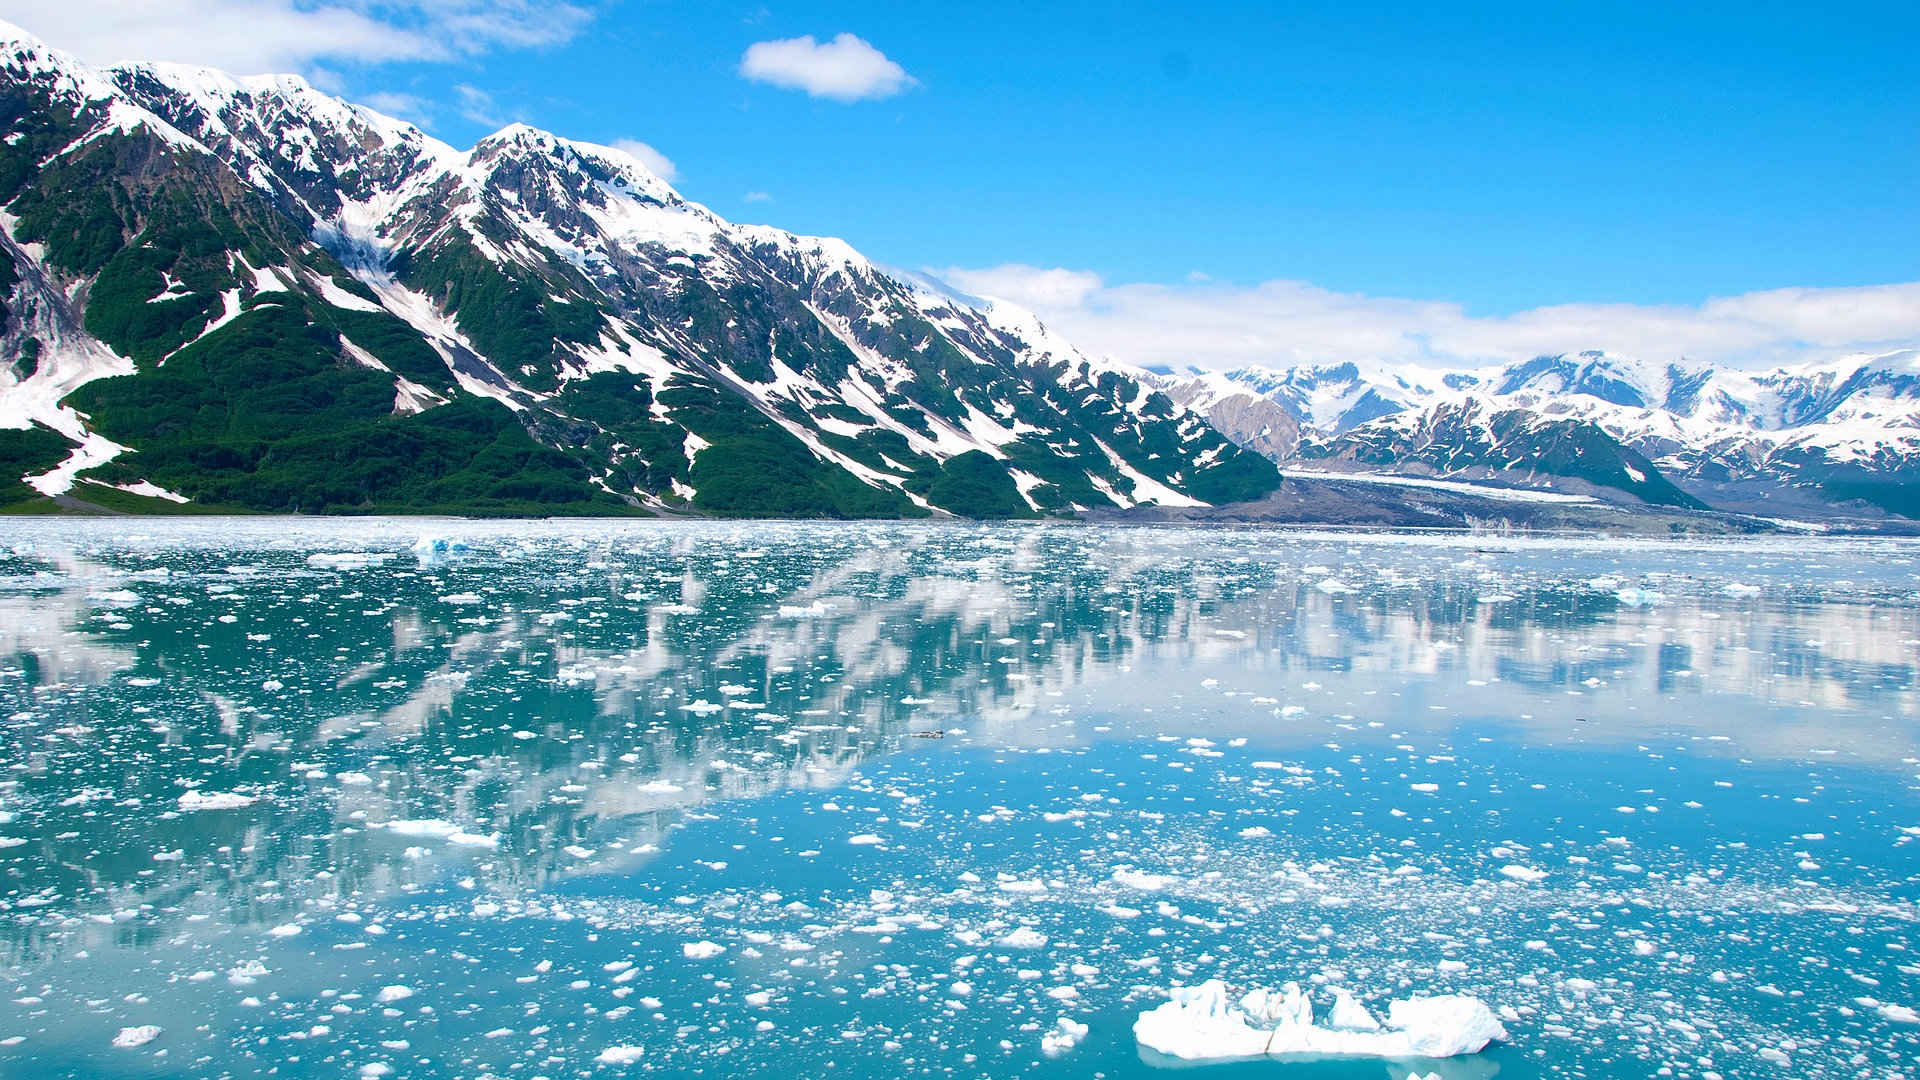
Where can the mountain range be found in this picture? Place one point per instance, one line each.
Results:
(243, 294)
(1838, 437)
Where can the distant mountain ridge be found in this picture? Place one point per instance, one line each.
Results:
(243, 292)
(1820, 436)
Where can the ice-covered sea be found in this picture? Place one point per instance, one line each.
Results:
(547, 799)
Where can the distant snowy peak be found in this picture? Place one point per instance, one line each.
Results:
(1705, 426)
(1333, 397)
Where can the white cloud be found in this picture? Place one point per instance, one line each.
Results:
(656, 162)
(1029, 286)
(410, 107)
(251, 36)
(477, 105)
(1282, 323)
(756, 196)
(844, 69)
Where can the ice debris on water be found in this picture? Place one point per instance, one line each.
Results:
(214, 800)
(134, 1037)
(1205, 1023)
(1066, 1035)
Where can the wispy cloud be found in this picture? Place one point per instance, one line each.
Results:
(1282, 323)
(476, 105)
(656, 162)
(249, 36)
(845, 69)
(410, 107)
(756, 196)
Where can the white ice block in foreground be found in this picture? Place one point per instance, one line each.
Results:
(1203, 1023)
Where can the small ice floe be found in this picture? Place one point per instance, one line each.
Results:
(1066, 1035)
(214, 800)
(346, 560)
(461, 598)
(1899, 1014)
(1023, 937)
(1203, 1023)
(620, 1055)
(1635, 597)
(1522, 873)
(701, 950)
(133, 1037)
(440, 829)
(430, 548)
(393, 993)
(1140, 879)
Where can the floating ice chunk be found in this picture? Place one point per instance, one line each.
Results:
(1635, 597)
(461, 598)
(1349, 1015)
(131, 1037)
(1201, 1023)
(864, 839)
(1023, 937)
(701, 950)
(1900, 1014)
(346, 560)
(1140, 879)
(1066, 1035)
(1523, 873)
(1333, 586)
(422, 827)
(1255, 832)
(392, 993)
(434, 548)
(216, 800)
(620, 1055)
(285, 930)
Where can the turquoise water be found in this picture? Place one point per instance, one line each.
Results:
(592, 800)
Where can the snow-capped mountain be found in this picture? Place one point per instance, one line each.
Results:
(245, 292)
(1843, 431)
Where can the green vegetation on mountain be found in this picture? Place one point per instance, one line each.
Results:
(975, 485)
(754, 468)
(265, 413)
(27, 452)
(519, 320)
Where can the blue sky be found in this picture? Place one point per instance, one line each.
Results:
(1495, 157)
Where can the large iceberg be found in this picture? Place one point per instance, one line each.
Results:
(1204, 1023)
